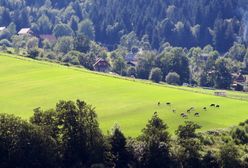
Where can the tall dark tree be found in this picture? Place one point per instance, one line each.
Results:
(157, 144)
(121, 155)
(223, 77)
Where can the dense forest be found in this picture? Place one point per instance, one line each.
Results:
(181, 23)
(69, 136)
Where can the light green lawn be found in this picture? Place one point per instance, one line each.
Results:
(26, 84)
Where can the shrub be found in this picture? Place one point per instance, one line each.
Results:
(51, 55)
(156, 75)
(5, 42)
(33, 53)
(173, 78)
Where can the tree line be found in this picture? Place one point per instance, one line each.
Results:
(181, 23)
(69, 136)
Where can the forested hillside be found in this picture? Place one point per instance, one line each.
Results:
(183, 23)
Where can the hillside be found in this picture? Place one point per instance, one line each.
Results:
(26, 84)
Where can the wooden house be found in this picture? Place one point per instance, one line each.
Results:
(239, 82)
(101, 65)
(25, 31)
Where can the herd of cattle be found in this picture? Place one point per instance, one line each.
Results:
(191, 109)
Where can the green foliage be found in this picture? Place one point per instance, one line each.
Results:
(174, 60)
(119, 151)
(64, 44)
(157, 143)
(210, 160)
(173, 78)
(86, 28)
(75, 128)
(190, 144)
(144, 65)
(72, 57)
(32, 43)
(23, 144)
(5, 34)
(223, 77)
(119, 66)
(62, 30)
(229, 155)
(155, 75)
(81, 43)
(188, 130)
(33, 53)
(5, 42)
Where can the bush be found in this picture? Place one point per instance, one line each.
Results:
(33, 53)
(156, 75)
(131, 71)
(5, 42)
(173, 78)
(51, 55)
(72, 57)
(5, 34)
(64, 44)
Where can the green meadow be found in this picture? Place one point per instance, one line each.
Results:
(26, 84)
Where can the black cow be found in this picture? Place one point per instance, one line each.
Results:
(184, 115)
(212, 105)
(204, 108)
(158, 103)
(197, 114)
(168, 103)
(217, 106)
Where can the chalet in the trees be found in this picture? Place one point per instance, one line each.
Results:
(25, 31)
(101, 65)
(131, 59)
(239, 82)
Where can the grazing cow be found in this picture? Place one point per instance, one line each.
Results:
(155, 113)
(173, 110)
(184, 115)
(197, 114)
(217, 106)
(168, 103)
(188, 111)
(212, 105)
(204, 108)
(158, 103)
(192, 108)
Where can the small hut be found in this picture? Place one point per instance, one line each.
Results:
(101, 65)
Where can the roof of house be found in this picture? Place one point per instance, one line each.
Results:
(239, 77)
(99, 60)
(130, 57)
(48, 37)
(2, 28)
(24, 31)
(133, 63)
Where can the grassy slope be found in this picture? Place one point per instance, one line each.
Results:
(26, 84)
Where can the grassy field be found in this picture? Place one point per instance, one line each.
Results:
(26, 84)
